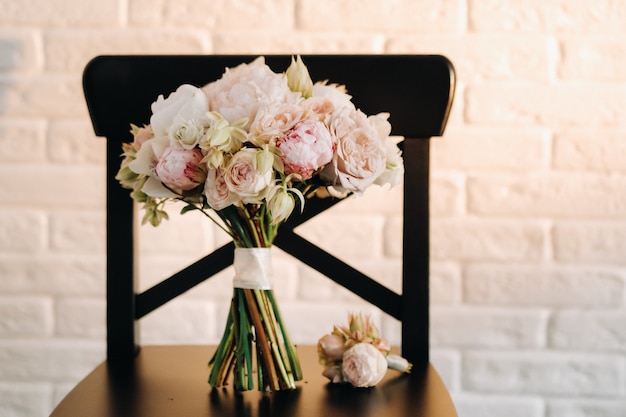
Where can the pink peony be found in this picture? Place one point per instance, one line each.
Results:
(180, 169)
(306, 148)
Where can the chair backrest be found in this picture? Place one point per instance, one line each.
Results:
(416, 90)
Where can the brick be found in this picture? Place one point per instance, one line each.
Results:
(487, 328)
(445, 283)
(499, 405)
(52, 274)
(447, 194)
(210, 14)
(78, 232)
(568, 195)
(592, 58)
(74, 142)
(42, 95)
(71, 50)
(182, 321)
(53, 186)
(190, 234)
(535, 104)
(545, 373)
(83, 318)
(491, 148)
(154, 268)
(25, 399)
(22, 231)
(53, 361)
(372, 15)
(315, 286)
(527, 16)
(541, 285)
(22, 141)
(481, 240)
(447, 363)
(589, 330)
(65, 13)
(602, 150)
(479, 57)
(359, 236)
(599, 242)
(303, 330)
(575, 407)
(19, 50)
(25, 317)
(375, 200)
(254, 42)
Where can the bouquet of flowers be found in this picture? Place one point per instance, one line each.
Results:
(246, 151)
(356, 354)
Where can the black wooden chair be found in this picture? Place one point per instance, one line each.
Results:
(155, 381)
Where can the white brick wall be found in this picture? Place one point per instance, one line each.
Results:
(528, 199)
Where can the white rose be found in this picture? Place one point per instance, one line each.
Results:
(363, 365)
(187, 103)
(249, 174)
(187, 132)
(361, 154)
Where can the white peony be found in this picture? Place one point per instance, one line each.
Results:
(245, 89)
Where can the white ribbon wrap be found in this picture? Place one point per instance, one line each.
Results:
(253, 268)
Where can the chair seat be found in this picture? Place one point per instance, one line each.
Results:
(168, 381)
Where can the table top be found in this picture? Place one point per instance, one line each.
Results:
(168, 381)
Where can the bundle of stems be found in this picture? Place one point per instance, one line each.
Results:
(255, 339)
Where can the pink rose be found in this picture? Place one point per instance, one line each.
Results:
(306, 148)
(249, 174)
(361, 154)
(216, 191)
(363, 365)
(180, 169)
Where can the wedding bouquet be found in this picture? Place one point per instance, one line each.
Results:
(246, 151)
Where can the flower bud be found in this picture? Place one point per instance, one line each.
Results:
(330, 348)
(298, 78)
